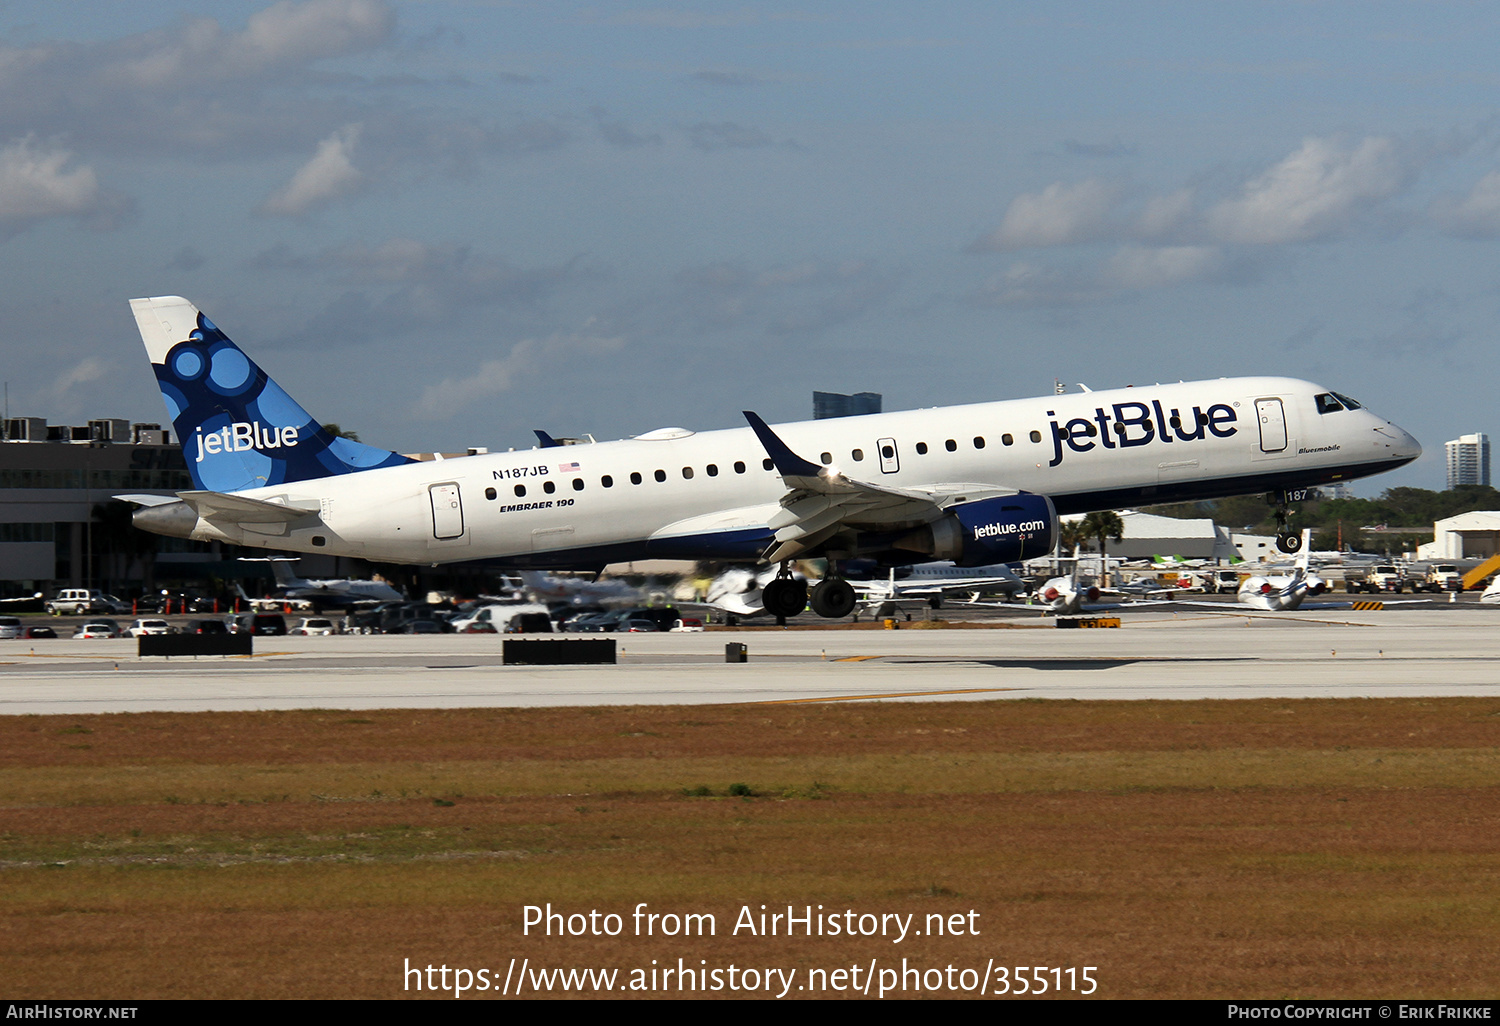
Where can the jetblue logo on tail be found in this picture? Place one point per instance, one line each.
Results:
(242, 436)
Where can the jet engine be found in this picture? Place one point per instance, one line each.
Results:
(1006, 529)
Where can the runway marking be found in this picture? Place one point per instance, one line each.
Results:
(855, 659)
(890, 694)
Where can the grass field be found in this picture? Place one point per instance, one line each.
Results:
(1185, 849)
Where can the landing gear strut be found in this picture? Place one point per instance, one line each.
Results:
(1287, 540)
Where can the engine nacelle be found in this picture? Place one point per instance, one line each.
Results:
(1007, 529)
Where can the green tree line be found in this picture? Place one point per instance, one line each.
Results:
(1414, 508)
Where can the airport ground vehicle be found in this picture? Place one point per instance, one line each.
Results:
(1382, 577)
(79, 602)
(1221, 581)
(1440, 577)
(687, 625)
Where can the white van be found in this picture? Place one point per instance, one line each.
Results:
(79, 601)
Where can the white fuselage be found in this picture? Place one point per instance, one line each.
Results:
(1280, 594)
(710, 494)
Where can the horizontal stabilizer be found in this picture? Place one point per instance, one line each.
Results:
(239, 509)
(146, 500)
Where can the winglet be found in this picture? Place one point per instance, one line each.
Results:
(548, 442)
(788, 463)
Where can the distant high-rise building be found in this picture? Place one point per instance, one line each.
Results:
(833, 404)
(1469, 460)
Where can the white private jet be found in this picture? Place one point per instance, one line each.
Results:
(331, 592)
(934, 582)
(978, 484)
(1282, 592)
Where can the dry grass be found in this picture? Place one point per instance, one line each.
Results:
(1251, 849)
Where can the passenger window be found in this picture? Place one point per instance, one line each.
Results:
(578, 484)
(827, 458)
(635, 477)
(858, 454)
(921, 448)
(739, 466)
(607, 481)
(490, 493)
(887, 452)
(713, 470)
(660, 475)
(520, 491)
(768, 463)
(1007, 440)
(687, 473)
(1036, 436)
(951, 445)
(978, 442)
(548, 487)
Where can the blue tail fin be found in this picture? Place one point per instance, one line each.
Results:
(238, 428)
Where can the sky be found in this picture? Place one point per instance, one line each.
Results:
(443, 224)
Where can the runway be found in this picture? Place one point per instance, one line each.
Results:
(1431, 651)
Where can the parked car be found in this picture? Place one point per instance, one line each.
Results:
(78, 602)
(419, 627)
(206, 627)
(638, 626)
(10, 627)
(687, 625)
(139, 627)
(98, 629)
(315, 626)
(529, 623)
(38, 632)
(265, 624)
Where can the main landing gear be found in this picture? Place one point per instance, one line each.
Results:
(784, 596)
(832, 597)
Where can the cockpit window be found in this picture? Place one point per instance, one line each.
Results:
(1327, 403)
(1349, 404)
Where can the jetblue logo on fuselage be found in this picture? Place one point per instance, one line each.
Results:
(1127, 425)
(242, 436)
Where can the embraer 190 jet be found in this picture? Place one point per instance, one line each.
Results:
(977, 484)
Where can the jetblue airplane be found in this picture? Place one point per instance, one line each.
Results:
(977, 484)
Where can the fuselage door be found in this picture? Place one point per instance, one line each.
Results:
(1272, 419)
(890, 462)
(447, 511)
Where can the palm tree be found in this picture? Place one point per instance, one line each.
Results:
(1070, 535)
(1102, 524)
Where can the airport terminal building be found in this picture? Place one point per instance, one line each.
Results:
(53, 478)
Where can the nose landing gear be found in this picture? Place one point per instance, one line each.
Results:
(1287, 540)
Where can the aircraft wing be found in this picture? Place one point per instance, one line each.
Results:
(820, 500)
(239, 509)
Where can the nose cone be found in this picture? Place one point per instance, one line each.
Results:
(1397, 442)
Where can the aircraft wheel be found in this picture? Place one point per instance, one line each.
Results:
(784, 597)
(935, 602)
(1289, 542)
(834, 599)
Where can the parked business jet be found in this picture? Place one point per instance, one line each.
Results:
(331, 592)
(934, 582)
(1283, 592)
(978, 484)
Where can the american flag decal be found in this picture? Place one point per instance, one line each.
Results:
(568, 468)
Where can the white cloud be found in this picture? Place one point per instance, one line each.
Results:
(36, 183)
(448, 397)
(284, 33)
(1315, 193)
(1477, 215)
(327, 176)
(1059, 215)
(1149, 267)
